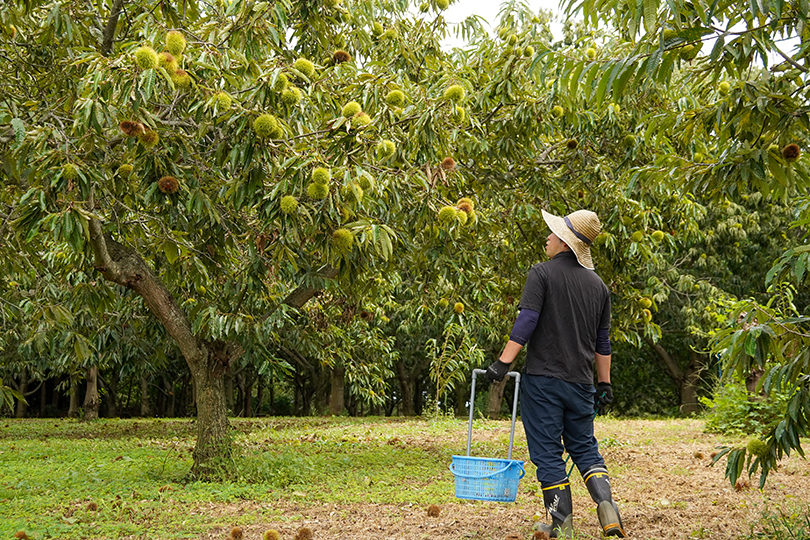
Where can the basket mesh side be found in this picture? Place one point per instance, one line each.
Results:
(499, 487)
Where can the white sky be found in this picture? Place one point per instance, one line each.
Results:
(488, 10)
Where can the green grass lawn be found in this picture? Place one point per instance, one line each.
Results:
(125, 478)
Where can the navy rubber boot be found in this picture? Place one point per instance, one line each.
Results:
(558, 503)
(598, 483)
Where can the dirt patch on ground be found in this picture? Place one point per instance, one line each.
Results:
(662, 480)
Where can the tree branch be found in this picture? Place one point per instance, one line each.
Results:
(109, 30)
(124, 266)
(790, 61)
(672, 366)
(302, 294)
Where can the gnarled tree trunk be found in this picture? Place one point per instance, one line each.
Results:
(171, 398)
(207, 361)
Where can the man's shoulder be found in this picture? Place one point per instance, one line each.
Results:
(560, 261)
(541, 268)
(568, 266)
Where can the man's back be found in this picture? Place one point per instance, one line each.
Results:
(573, 304)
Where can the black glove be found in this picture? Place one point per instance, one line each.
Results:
(604, 396)
(497, 371)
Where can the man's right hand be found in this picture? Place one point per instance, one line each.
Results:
(497, 371)
(604, 396)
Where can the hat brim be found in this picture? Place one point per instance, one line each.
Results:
(580, 248)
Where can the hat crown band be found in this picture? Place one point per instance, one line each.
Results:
(578, 234)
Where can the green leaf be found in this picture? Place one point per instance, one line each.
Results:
(717, 50)
(750, 344)
(171, 251)
(147, 84)
(652, 63)
(589, 75)
(628, 69)
(573, 83)
(19, 130)
(650, 14)
(694, 33)
(777, 171)
(80, 348)
(604, 81)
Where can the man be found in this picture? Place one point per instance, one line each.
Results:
(564, 322)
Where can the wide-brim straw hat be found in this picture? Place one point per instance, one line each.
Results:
(578, 229)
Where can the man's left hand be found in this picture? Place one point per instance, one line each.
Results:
(497, 371)
(604, 396)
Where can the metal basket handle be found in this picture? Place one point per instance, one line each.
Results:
(490, 475)
(516, 376)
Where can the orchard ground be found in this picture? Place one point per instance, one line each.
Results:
(363, 479)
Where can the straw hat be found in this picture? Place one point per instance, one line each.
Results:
(578, 230)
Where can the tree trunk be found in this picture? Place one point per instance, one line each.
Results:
(21, 407)
(73, 409)
(418, 399)
(297, 393)
(109, 29)
(337, 403)
(168, 387)
(229, 391)
(182, 409)
(43, 398)
(146, 404)
(56, 395)
(691, 385)
(307, 388)
(207, 360)
(462, 392)
(239, 401)
(213, 451)
(111, 389)
(406, 386)
(752, 380)
(91, 400)
(688, 381)
(496, 390)
(259, 396)
(271, 397)
(248, 397)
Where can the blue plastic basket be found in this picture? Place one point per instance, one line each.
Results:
(486, 479)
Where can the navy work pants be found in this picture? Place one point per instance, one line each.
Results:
(554, 413)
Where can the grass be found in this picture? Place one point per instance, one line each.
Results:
(126, 479)
(780, 524)
(120, 478)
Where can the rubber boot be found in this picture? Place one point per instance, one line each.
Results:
(598, 484)
(558, 503)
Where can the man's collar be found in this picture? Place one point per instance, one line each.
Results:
(565, 253)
